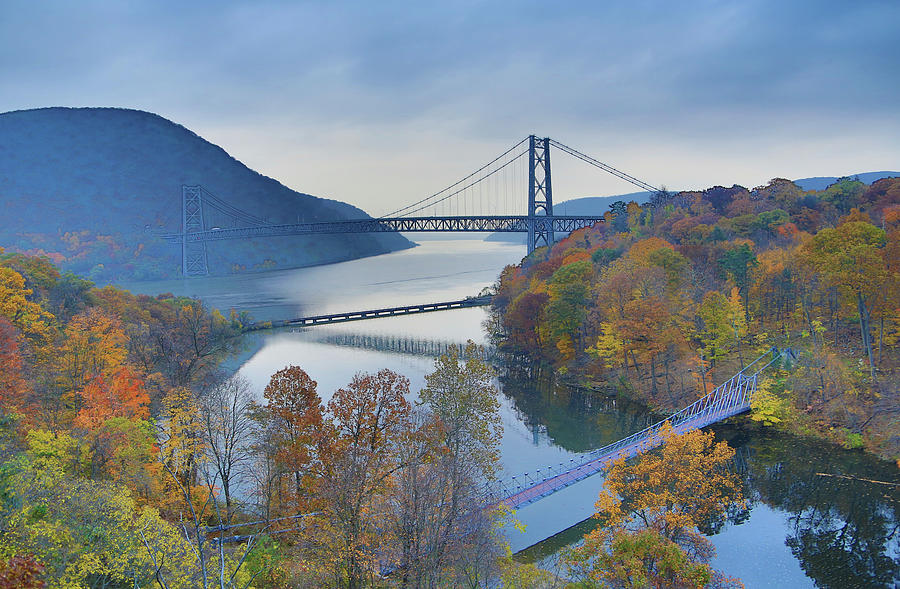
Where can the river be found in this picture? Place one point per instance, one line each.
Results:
(801, 528)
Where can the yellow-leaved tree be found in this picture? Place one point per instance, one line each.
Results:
(651, 510)
(88, 533)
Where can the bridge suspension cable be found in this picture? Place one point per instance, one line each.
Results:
(605, 167)
(405, 210)
(230, 210)
(466, 187)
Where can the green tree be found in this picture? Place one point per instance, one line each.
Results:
(462, 394)
(843, 194)
(92, 533)
(724, 327)
(737, 262)
(569, 290)
(850, 258)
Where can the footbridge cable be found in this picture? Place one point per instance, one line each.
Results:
(728, 399)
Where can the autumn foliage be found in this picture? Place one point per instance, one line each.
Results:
(83, 376)
(665, 300)
(651, 510)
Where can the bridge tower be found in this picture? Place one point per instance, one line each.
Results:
(193, 253)
(540, 194)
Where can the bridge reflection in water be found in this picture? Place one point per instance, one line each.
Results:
(429, 348)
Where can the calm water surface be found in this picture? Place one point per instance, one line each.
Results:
(802, 529)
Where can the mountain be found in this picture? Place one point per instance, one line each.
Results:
(94, 188)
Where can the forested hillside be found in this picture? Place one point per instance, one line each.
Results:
(664, 300)
(128, 458)
(93, 188)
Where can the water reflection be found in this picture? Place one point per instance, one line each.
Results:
(842, 506)
(574, 419)
(397, 344)
(833, 511)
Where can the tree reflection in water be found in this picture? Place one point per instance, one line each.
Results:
(844, 529)
(844, 526)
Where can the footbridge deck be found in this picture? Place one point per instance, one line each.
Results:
(728, 399)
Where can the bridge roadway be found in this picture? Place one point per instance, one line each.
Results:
(726, 400)
(496, 223)
(555, 483)
(372, 314)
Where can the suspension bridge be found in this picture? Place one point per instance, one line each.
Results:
(730, 398)
(488, 199)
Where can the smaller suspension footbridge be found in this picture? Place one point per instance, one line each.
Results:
(728, 399)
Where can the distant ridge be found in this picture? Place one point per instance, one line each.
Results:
(593, 205)
(823, 182)
(93, 187)
(597, 205)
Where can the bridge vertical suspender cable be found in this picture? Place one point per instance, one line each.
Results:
(468, 204)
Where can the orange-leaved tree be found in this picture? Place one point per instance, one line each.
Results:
(13, 388)
(651, 510)
(371, 417)
(296, 423)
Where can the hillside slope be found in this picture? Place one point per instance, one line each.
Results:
(93, 188)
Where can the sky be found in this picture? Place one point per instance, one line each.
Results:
(382, 103)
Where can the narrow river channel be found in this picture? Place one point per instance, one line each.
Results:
(801, 529)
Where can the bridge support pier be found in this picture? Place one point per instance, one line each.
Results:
(540, 194)
(193, 253)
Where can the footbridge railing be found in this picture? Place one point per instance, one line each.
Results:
(728, 399)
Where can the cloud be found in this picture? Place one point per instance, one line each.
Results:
(306, 91)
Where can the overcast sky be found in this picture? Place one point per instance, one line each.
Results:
(381, 103)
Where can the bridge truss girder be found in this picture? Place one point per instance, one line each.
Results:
(533, 225)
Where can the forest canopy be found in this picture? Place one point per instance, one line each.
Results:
(665, 300)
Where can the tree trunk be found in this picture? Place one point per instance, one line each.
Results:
(637, 371)
(703, 374)
(864, 328)
(833, 312)
(737, 340)
(668, 385)
(812, 329)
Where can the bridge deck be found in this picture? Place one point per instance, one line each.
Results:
(726, 400)
(555, 483)
(495, 223)
(373, 314)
